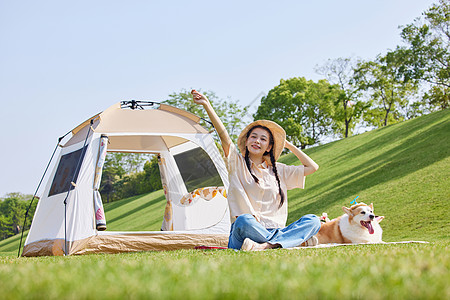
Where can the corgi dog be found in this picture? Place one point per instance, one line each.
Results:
(357, 225)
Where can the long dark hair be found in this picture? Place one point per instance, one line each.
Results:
(272, 161)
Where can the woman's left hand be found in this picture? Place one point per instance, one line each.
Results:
(288, 145)
(310, 165)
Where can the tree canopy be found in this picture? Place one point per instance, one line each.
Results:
(13, 208)
(427, 52)
(129, 174)
(302, 107)
(349, 106)
(387, 89)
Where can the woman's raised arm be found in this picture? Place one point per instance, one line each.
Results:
(220, 128)
(310, 165)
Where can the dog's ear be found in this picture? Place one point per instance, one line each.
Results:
(379, 218)
(371, 206)
(347, 210)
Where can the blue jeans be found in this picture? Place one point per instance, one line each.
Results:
(293, 235)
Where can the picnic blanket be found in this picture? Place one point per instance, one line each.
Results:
(338, 245)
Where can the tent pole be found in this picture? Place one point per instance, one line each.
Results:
(37, 189)
(72, 183)
(210, 123)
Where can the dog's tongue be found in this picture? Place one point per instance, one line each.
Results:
(368, 225)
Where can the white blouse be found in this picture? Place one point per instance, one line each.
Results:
(262, 199)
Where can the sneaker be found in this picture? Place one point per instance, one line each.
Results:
(312, 241)
(250, 245)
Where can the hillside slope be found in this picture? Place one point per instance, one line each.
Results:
(138, 213)
(404, 169)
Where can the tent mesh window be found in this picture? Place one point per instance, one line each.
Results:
(68, 169)
(197, 169)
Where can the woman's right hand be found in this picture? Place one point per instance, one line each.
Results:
(199, 98)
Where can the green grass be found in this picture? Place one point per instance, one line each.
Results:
(403, 169)
(410, 271)
(139, 213)
(10, 246)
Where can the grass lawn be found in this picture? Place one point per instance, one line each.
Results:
(405, 271)
(403, 169)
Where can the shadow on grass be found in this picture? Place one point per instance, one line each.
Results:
(137, 209)
(12, 243)
(119, 203)
(386, 135)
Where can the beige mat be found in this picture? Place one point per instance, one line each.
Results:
(338, 245)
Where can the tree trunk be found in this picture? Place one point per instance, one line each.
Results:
(347, 123)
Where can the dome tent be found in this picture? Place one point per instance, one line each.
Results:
(69, 218)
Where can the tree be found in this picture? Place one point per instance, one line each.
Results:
(349, 108)
(125, 163)
(116, 177)
(13, 208)
(152, 174)
(303, 108)
(438, 96)
(233, 115)
(427, 54)
(388, 90)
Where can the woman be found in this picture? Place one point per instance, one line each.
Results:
(258, 184)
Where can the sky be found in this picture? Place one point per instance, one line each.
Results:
(62, 62)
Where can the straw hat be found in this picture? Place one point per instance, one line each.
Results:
(278, 133)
